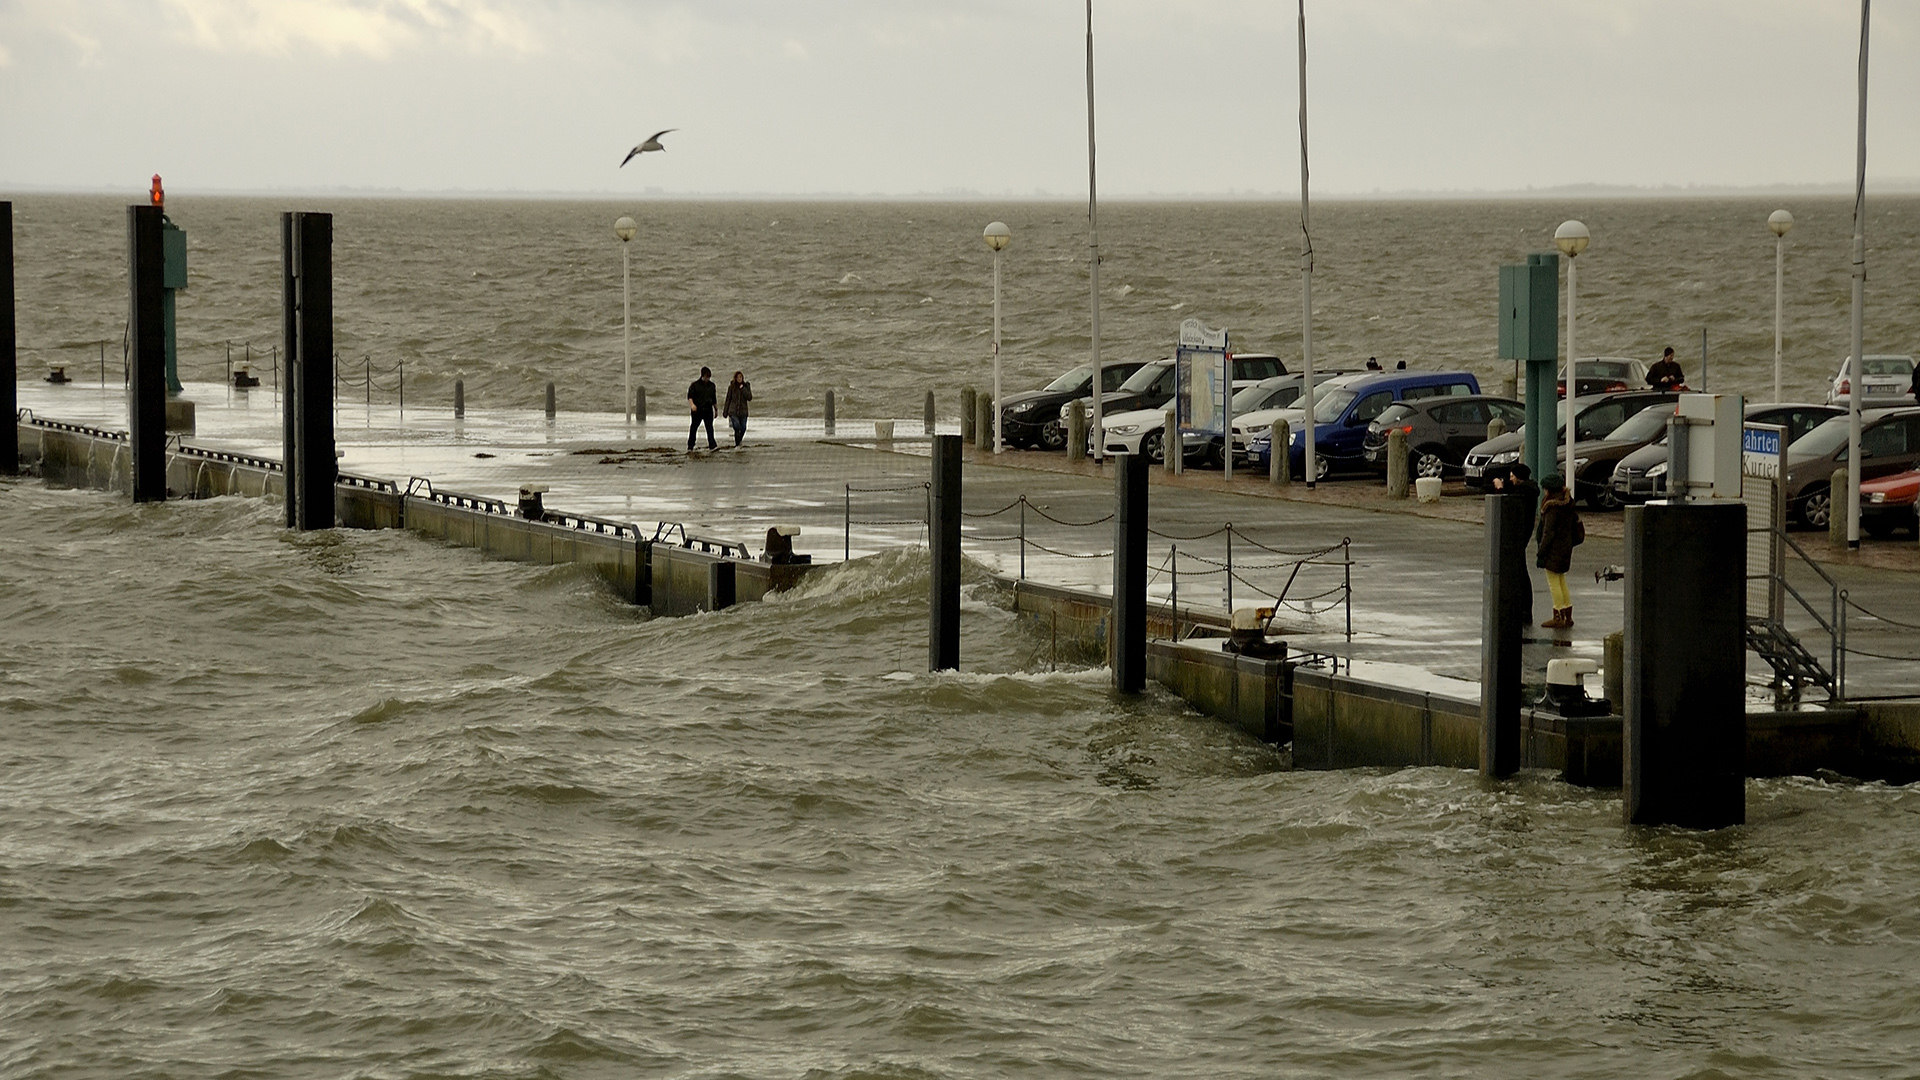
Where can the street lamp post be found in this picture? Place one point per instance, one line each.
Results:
(1781, 223)
(997, 236)
(625, 229)
(1571, 238)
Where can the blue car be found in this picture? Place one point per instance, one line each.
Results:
(1342, 413)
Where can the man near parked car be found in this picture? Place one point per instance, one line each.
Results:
(1666, 375)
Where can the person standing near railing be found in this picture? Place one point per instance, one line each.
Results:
(1560, 531)
(739, 392)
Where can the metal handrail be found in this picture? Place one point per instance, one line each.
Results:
(1835, 625)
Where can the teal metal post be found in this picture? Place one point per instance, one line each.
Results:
(1530, 332)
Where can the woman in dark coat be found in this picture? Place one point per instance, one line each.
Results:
(739, 392)
(1558, 533)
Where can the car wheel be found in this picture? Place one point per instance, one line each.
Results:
(1427, 463)
(1816, 506)
(1321, 467)
(1600, 496)
(1153, 447)
(1878, 527)
(1053, 436)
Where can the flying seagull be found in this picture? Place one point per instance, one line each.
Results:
(652, 143)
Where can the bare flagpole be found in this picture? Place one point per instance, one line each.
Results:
(1854, 365)
(1306, 267)
(1093, 243)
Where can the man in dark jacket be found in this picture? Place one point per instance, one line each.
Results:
(1666, 375)
(700, 401)
(1518, 480)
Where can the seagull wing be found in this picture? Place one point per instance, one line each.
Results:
(655, 137)
(631, 154)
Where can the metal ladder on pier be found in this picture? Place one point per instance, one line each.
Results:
(1795, 667)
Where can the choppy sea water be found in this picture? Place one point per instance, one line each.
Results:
(355, 804)
(359, 805)
(883, 302)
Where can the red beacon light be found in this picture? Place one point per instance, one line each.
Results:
(158, 193)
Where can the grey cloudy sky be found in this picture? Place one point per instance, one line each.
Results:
(924, 97)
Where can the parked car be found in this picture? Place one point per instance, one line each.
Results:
(1439, 431)
(1257, 420)
(1604, 375)
(1887, 504)
(1342, 414)
(1886, 380)
(1141, 431)
(1642, 475)
(1032, 417)
(1889, 444)
(1153, 385)
(1594, 418)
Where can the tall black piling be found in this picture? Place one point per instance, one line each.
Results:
(9, 361)
(459, 398)
(147, 342)
(552, 403)
(1128, 637)
(943, 531)
(721, 585)
(829, 412)
(1506, 604)
(1685, 661)
(927, 418)
(640, 404)
(306, 257)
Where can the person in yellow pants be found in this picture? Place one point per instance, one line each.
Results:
(1558, 533)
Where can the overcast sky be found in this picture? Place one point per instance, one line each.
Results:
(904, 97)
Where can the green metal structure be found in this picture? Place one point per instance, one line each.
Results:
(1530, 332)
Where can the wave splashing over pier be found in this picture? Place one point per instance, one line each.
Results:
(359, 804)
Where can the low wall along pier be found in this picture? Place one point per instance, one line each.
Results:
(665, 569)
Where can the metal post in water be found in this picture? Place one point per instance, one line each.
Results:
(1129, 634)
(846, 538)
(368, 362)
(640, 404)
(403, 386)
(459, 398)
(551, 405)
(927, 418)
(312, 375)
(943, 533)
(146, 330)
(9, 356)
(829, 418)
(1506, 606)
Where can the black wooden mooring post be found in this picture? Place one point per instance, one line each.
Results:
(9, 361)
(1128, 638)
(1506, 604)
(459, 399)
(1685, 660)
(147, 336)
(306, 247)
(943, 628)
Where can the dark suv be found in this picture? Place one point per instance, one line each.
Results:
(1889, 443)
(1032, 417)
(1439, 431)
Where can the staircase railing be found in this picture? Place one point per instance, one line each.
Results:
(1834, 623)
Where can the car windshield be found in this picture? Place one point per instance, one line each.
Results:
(1394, 413)
(1328, 409)
(1821, 441)
(1071, 379)
(1264, 397)
(1886, 365)
(1602, 369)
(1142, 380)
(1643, 425)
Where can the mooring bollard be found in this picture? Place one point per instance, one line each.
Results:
(1496, 427)
(1280, 452)
(1836, 507)
(1509, 388)
(943, 544)
(1076, 430)
(146, 333)
(1613, 671)
(983, 421)
(459, 398)
(829, 414)
(312, 462)
(1685, 665)
(883, 432)
(1506, 607)
(1397, 464)
(967, 432)
(927, 415)
(550, 402)
(1128, 637)
(640, 404)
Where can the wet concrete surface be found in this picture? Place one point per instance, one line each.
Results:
(1415, 571)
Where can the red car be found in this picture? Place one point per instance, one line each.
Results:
(1887, 504)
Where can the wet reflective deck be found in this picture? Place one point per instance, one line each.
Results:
(1415, 578)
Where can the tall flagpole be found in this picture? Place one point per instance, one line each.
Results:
(1306, 267)
(1093, 243)
(1854, 365)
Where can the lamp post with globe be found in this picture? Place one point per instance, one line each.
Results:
(1780, 222)
(1571, 238)
(997, 237)
(625, 229)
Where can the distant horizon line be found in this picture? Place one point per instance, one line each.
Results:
(1886, 186)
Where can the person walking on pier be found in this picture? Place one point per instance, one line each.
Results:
(700, 398)
(1666, 374)
(739, 392)
(1559, 532)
